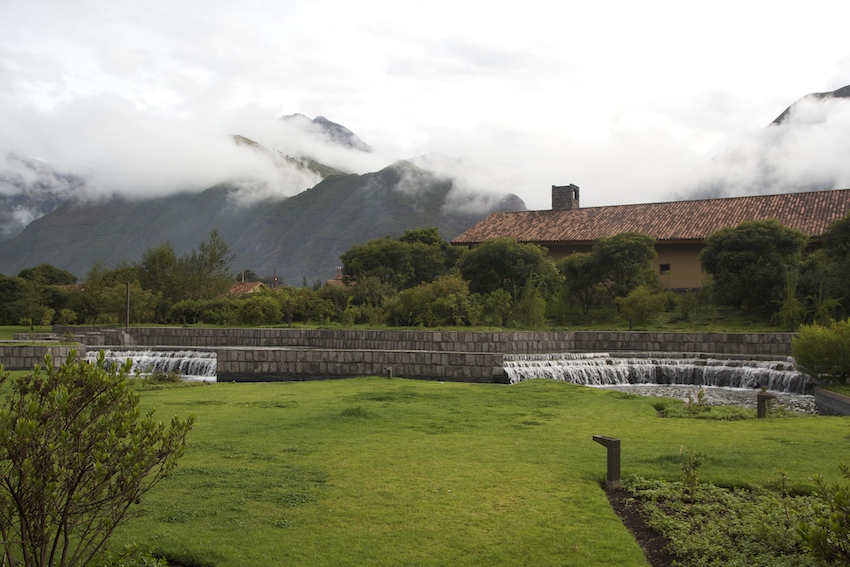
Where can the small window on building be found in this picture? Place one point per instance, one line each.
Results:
(664, 270)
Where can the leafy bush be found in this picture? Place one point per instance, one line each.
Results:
(74, 457)
(712, 527)
(688, 305)
(445, 301)
(642, 305)
(824, 352)
(259, 310)
(828, 534)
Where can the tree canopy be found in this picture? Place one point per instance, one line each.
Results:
(504, 263)
(751, 264)
(418, 256)
(624, 262)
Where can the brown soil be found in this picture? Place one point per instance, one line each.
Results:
(653, 544)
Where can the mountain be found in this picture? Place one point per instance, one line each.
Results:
(804, 149)
(29, 189)
(298, 237)
(843, 92)
(50, 217)
(331, 131)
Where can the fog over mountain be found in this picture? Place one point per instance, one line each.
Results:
(292, 208)
(298, 191)
(805, 148)
(275, 160)
(30, 189)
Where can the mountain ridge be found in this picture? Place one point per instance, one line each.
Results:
(298, 237)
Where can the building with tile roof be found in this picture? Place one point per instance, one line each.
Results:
(244, 288)
(679, 227)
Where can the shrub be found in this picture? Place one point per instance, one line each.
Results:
(259, 310)
(642, 304)
(824, 352)
(74, 457)
(688, 305)
(722, 527)
(827, 536)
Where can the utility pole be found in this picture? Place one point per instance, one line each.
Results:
(127, 319)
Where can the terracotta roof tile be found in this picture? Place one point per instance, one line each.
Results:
(243, 288)
(810, 212)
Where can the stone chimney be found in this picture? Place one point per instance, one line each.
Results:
(564, 197)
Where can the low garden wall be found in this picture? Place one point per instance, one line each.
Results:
(247, 364)
(766, 344)
(305, 354)
(505, 342)
(831, 403)
(25, 357)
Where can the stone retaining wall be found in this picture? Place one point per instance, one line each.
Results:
(303, 354)
(247, 364)
(506, 342)
(831, 403)
(773, 344)
(25, 357)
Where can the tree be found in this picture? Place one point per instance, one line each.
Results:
(418, 256)
(384, 259)
(31, 305)
(75, 456)
(836, 239)
(431, 256)
(158, 269)
(624, 262)
(582, 276)
(87, 301)
(752, 263)
(48, 274)
(835, 267)
(504, 263)
(12, 290)
(205, 273)
(142, 303)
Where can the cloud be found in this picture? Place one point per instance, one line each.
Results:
(134, 93)
(807, 151)
(121, 149)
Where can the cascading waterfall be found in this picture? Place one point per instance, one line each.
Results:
(605, 369)
(189, 364)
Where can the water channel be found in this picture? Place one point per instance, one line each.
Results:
(191, 365)
(724, 379)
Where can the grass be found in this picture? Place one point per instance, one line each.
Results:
(376, 471)
(843, 389)
(7, 332)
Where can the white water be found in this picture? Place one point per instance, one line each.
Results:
(604, 369)
(189, 364)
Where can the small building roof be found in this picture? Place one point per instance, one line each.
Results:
(244, 288)
(810, 212)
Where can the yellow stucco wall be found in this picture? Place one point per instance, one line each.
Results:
(682, 258)
(685, 268)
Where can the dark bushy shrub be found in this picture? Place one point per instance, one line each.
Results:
(824, 352)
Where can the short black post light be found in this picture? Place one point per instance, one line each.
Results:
(613, 446)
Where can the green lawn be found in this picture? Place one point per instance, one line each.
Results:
(376, 471)
(7, 332)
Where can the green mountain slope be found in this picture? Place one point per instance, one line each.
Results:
(301, 236)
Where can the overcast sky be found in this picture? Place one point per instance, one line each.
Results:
(629, 100)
